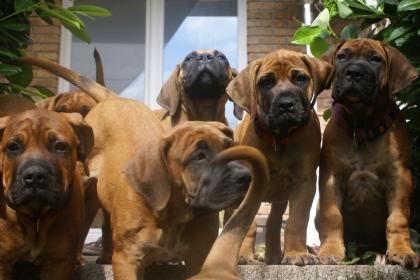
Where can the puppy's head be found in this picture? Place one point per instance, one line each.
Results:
(181, 167)
(39, 149)
(279, 88)
(202, 75)
(367, 72)
(68, 102)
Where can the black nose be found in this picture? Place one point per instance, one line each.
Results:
(353, 73)
(205, 57)
(287, 104)
(35, 176)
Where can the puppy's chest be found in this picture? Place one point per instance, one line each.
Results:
(366, 176)
(172, 247)
(22, 246)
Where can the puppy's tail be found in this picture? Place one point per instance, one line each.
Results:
(92, 88)
(100, 78)
(223, 257)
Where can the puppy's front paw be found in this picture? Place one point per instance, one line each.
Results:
(330, 254)
(300, 258)
(403, 256)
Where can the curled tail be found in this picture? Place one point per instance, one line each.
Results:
(92, 88)
(221, 262)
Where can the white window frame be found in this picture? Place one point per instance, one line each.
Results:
(154, 44)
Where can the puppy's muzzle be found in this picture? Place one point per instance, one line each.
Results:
(36, 185)
(221, 186)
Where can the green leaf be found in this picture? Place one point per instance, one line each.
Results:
(14, 26)
(351, 31)
(91, 10)
(44, 91)
(6, 69)
(408, 5)
(319, 46)
(65, 20)
(23, 78)
(398, 32)
(7, 53)
(79, 33)
(327, 114)
(305, 34)
(351, 261)
(343, 10)
(22, 5)
(322, 20)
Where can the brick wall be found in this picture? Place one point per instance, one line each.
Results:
(45, 43)
(271, 25)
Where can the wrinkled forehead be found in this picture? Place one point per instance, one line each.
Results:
(363, 47)
(282, 62)
(187, 139)
(35, 124)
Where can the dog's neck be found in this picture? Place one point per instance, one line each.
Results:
(204, 110)
(366, 127)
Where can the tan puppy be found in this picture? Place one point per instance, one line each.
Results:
(175, 181)
(278, 91)
(196, 89)
(41, 199)
(221, 262)
(74, 101)
(365, 180)
(14, 103)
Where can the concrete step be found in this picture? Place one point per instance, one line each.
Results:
(270, 272)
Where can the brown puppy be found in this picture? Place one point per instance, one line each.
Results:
(41, 201)
(196, 89)
(221, 262)
(14, 103)
(174, 181)
(365, 180)
(278, 91)
(74, 101)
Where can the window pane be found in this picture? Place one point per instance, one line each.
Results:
(120, 41)
(200, 24)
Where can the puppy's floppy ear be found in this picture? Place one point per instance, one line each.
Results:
(400, 71)
(321, 73)
(170, 94)
(242, 89)
(84, 135)
(329, 56)
(148, 175)
(4, 121)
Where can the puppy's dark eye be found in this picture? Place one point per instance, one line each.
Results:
(221, 56)
(188, 58)
(376, 58)
(60, 147)
(200, 156)
(14, 147)
(267, 82)
(341, 57)
(301, 78)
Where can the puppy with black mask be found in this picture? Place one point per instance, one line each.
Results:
(196, 89)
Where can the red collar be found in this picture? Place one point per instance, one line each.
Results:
(264, 132)
(363, 133)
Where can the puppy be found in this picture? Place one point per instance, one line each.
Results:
(196, 89)
(278, 93)
(41, 202)
(221, 262)
(365, 181)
